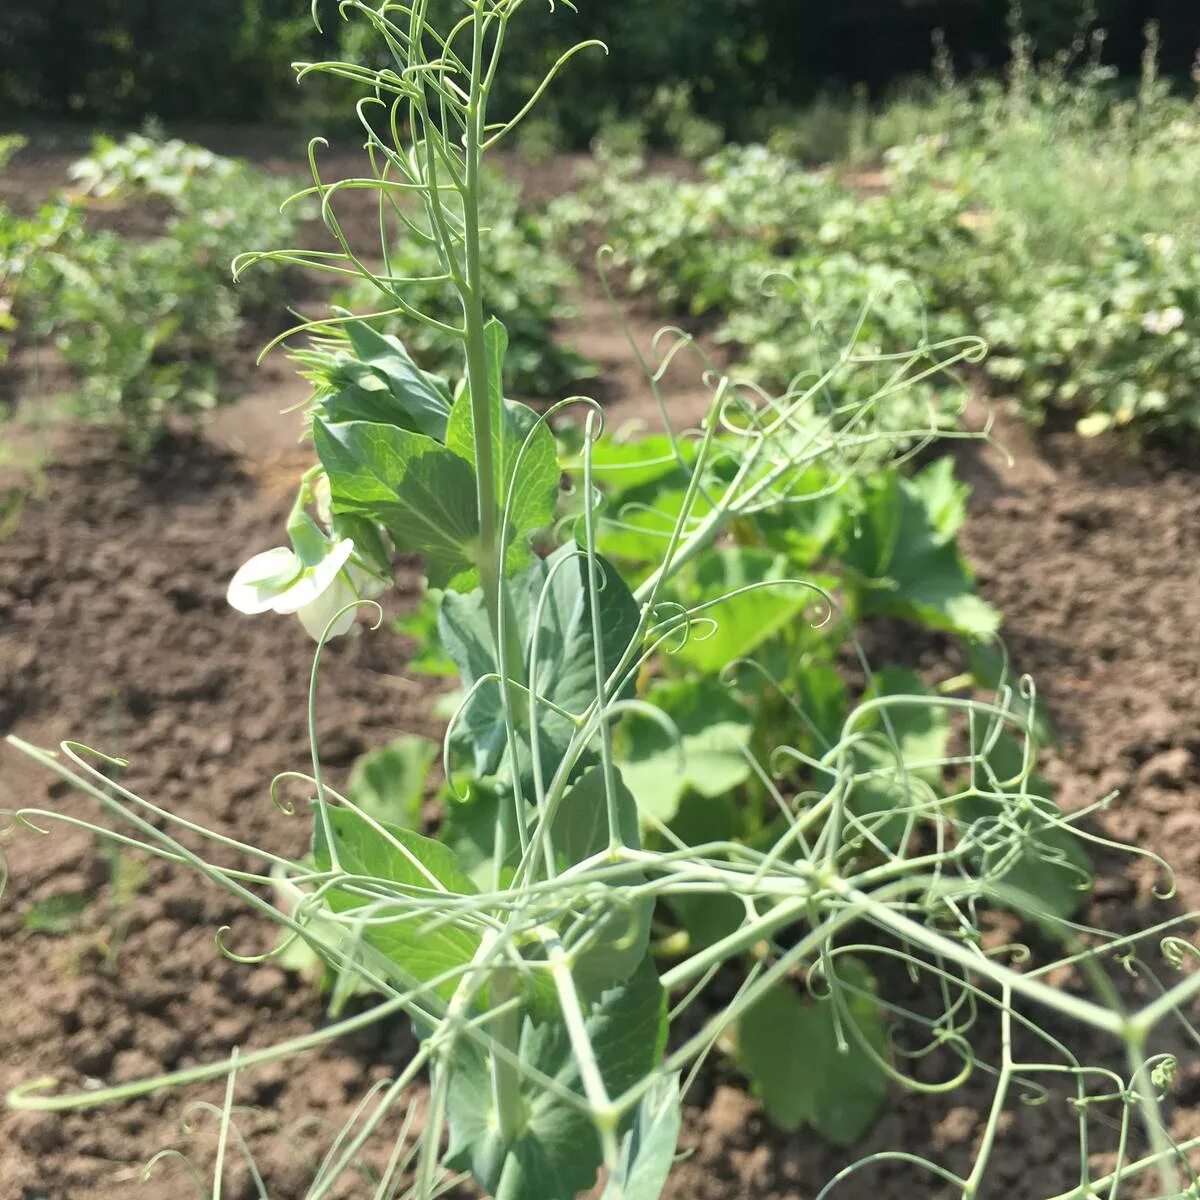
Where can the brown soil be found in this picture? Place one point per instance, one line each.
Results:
(114, 630)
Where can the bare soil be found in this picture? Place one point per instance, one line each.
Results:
(114, 631)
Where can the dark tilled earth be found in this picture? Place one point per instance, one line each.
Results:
(114, 631)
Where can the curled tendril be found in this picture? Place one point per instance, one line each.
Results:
(178, 1157)
(284, 805)
(1177, 950)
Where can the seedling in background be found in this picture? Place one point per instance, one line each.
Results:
(520, 944)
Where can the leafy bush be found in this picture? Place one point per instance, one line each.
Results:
(24, 244)
(1056, 220)
(800, 274)
(146, 325)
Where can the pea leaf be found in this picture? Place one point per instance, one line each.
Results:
(904, 744)
(743, 622)
(511, 424)
(804, 528)
(708, 916)
(1052, 868)
(714, 729)
(388, 783)
(581, 824)
(558, 650)
(638, 531)
(416, 867)
(558, 1152)
(422, 493)
(648, 1149)
(913, 735)
(622, 467)
(389, 388)
(469, 828)
(618, 934)
(942, 496)
(790, 1049)
(903, 560)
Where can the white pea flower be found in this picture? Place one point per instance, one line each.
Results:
(279, 580)
(1163, 321)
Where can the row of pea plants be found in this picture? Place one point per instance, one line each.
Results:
(651, 732)
(1096, 328)
(146, 324)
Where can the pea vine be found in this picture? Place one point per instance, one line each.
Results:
(556, 1032)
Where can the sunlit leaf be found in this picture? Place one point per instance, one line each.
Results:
(714, 731)
(558, 1152)
(418, 944)
(789, 1047)
(422, 493)
(388, 784)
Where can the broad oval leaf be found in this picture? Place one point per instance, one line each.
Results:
(422, 493)
(409, 871)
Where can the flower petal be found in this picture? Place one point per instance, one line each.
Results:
(315, 580)
(316, 615)
(258, 582)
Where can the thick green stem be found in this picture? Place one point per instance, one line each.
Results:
(506, 1083)
(491, 551)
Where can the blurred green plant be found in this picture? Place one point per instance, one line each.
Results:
(146, 325)
(1053, 214)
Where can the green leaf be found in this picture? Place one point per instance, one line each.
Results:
(714, 730)
(580, 827)
(469, 828)
(56, 914)
(388, 784)
(903, 558)
(639, 530)
(990, 666)
(803, 528)
(743, 622)
(421, 624)
(565, 659)
(943, 497)
(904, 745)
(618, 934)
(558, 1153)
(648, 1149)
(422, 493)
(537, 476)
(916, 734)
(790, 1049)
(708, 916)
(414, 865)
(392, 390)
(820, 694)
(624, 467)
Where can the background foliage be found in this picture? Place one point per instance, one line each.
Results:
(121, 59)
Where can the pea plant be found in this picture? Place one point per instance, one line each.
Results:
(145, 325)
(556, 1033)
(1090, 310)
